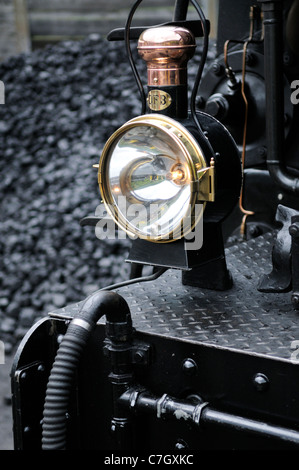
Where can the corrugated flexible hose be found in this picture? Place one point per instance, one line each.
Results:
(61, 379)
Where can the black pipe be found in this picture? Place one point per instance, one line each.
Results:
(180, 10)
(249, 426)
(201, 414)
(273, 51)
(61, 378)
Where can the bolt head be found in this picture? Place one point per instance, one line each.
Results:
(213, 107)
(189, 367)
(139, 356)
(181, 445)
(217, 68)
(294, 230)
(295, 300)
(261, 382)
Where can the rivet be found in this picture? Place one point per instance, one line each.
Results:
(189, 367)
(262, 151)
(181, 444)
(261, 382)
(294, 230)
(139, 356)
(295, 300)
(217, 68)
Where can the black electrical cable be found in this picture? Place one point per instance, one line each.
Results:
(205, 30)
(130, 57)
(151, 277)
(180, 10)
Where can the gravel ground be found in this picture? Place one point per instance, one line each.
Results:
(61, 105)
(6, 434)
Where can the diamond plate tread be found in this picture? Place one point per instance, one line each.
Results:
(241, 318)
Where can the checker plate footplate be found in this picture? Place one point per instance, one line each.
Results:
(241, 318)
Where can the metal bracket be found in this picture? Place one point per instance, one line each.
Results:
(280, 279)
(29, 383)
(140, 353)
(194, 26)
(205, 185)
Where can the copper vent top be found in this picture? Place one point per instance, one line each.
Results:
(166, 50)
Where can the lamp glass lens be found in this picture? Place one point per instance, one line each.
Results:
(149, 181)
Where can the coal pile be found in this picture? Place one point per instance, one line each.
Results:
(61, 105)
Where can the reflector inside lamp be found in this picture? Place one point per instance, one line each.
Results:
(146, 175)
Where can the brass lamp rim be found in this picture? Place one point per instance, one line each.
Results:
(195, 162)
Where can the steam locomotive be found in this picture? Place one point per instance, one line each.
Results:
(203, 352)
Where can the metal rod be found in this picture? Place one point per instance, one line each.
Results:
(249, 426)
(180, 10)
(201, 414)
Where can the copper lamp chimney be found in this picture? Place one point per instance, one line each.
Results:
(167, 50)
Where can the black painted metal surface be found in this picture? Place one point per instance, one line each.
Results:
(240, 319)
